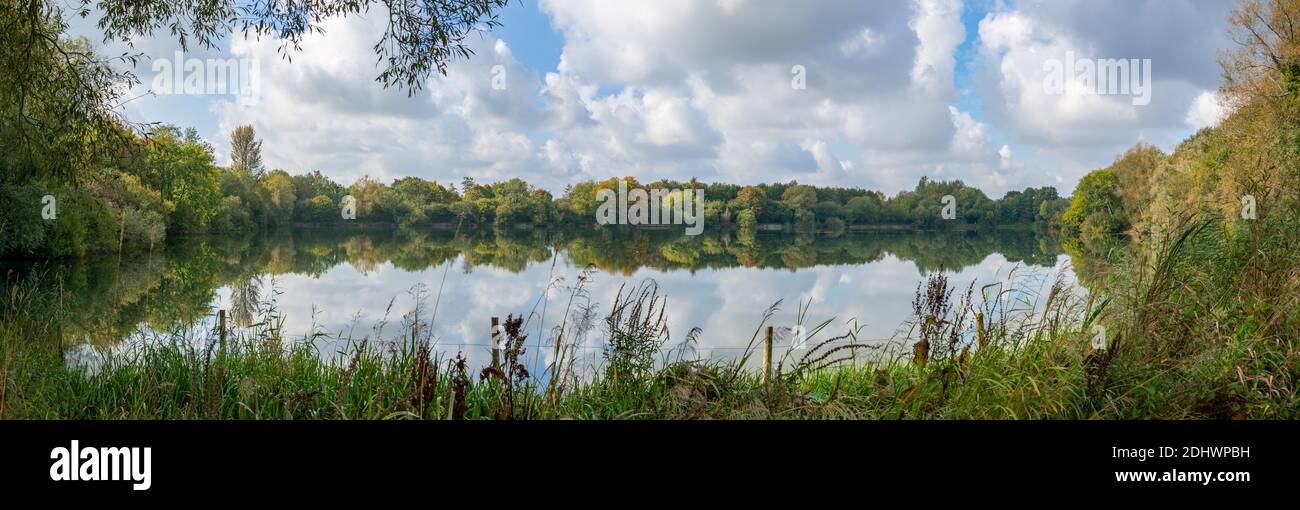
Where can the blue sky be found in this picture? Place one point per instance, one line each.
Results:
(676, 89)
(528, 31)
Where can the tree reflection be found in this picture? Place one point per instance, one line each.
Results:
(173, 290)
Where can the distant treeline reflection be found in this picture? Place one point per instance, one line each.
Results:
(106, 299)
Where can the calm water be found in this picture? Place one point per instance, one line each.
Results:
(359, 285)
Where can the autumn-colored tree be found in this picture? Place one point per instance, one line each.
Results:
(1264, 68)
(752, 198)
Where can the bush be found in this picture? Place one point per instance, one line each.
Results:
(746, 220)
(835, 225)
(439, 213)
(140, 227)
(232, 216)
(1097, 204)
(317, 209)
(805, 220)
(22, 231)
(84, 225)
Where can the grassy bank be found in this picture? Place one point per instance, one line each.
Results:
(1188, 329)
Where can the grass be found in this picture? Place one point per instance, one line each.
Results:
(1188, 336)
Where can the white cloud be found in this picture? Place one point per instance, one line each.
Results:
(969, 139)
(879, 76)
(1007, 162)
(861, 42)
(325, 112)
(938, 27)
(1077, 131)
(1206, 111)
(683, 88)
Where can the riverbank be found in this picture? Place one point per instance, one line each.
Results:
(1048, 376)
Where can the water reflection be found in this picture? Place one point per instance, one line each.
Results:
(350, 284)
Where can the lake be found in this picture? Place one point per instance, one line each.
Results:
(366, 284)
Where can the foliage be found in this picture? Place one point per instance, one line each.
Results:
(246, 152)
(418, 38)
(57, 98)
(1096, 208)
(180, 166)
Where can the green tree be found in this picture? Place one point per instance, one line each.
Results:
(180, 166)
(581, 201)
(747, 220)
(58, 98)
(420, 36)
(865, 210)
(1096, 206)
(282, 195)
(800, 197)
(375, 202)
(246, 152)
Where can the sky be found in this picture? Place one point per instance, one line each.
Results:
(892, 90)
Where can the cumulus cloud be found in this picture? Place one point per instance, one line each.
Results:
(324, 112)
(689, 88)
(1077, 129)
(1206, 111)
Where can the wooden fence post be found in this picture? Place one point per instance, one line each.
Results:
(496, 336)
(62, 317)
(767, 354)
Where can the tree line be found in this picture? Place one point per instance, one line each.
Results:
(166, 182)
